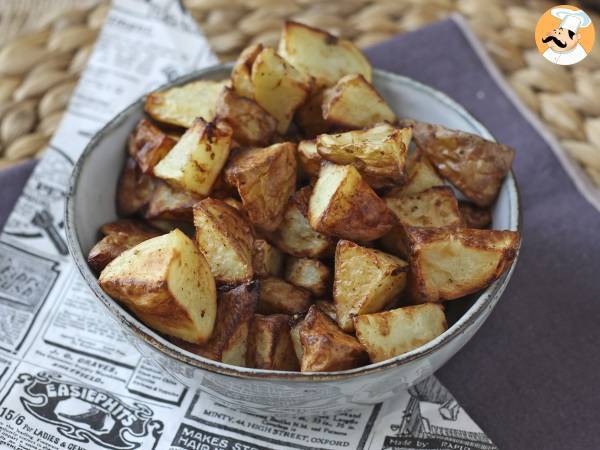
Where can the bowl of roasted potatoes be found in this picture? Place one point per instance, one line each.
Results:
(296, 232)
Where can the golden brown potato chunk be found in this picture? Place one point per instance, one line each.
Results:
(392, 333)
(421, 175)
(278, 87)
(365, 281)
(197, 159)
(310, 274)
(319, 54)
(354, 103)
(267, 260)
(119, 236)
(309, 158)
(167, 283)
(327, 307)
(379, 153)
(182, 105)
(342, 204)
(168, 203)
(279, 296)
(270, 346)
(229, 340)
(148, 145)
(134, 190)
(251, 124)
(309, 116)
(241, 74)
(265, 179)
(225, 239)
(449, 263)
(326, 348)
(474, 165)
(295, 235)
(473, 216)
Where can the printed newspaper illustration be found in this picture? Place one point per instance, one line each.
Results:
(70, 379)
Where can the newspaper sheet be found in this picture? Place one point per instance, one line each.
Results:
(69, 379)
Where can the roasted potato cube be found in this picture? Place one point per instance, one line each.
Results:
(310, 274)
(265, 179)
(182, 105)
(309, 158)
(225, 239)
(119, 236)
(134, 189)
(270, 346)
(195, 162)
(354, 103)
(279, 296)
(365, 281)
(473, 216)
(278, 87)
(241, 74)
(342, 204)
(167, 283)
(168, 203)
(319, 54)
(326, 348)
(148, 145)
(474, 165)
(309, 117)
(295, 235)
(229, 341)
(267, 260)
(379, 153)
(448, 263)
(327, 307)
(251, 124)
(421, 175)
(392, 333)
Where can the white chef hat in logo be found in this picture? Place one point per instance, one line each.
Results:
(571, 19)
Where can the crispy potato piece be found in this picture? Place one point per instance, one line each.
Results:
(197, 159)
(182, 105)
(392, 333)
(229, 341)
(225, 239)
(365, 281)
(342, 204)
(134, 190)
(474, 165)
(148, 145)
(241, 74)
(354, 103)
(379, 153)
(309, 116)
(325, 347)
(310, 274)
(267, 260)
(278, 87)
(295, 235)
(168, 203)
(278, 296)
(119, 236)
(251, 124)
(473, 216)
(309, 158)
(449, 263)
(270, 346)
(167, 283)
(421, 175)
(265, 179)
(319, 54)
(327, 307)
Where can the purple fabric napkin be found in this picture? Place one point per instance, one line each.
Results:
(528, 378)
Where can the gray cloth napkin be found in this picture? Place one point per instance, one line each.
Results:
(528, 377)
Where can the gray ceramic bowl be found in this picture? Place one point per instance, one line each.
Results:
(91, 203)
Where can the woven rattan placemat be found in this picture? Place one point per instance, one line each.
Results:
(39, 69)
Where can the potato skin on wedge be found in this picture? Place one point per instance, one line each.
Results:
(134, 190)
(148, 145)
(269, 344)
(392, 333)
(421, 175)
(241, 74)
(279, 296)
(168, 203)
(449, 263)
(267, 260)
(167, 283)
(342, 204)
(310, 274)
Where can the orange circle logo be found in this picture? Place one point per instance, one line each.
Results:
(565, 35)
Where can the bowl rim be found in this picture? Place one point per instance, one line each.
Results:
(482, 305)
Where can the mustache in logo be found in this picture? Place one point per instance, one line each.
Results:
(555, 40)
